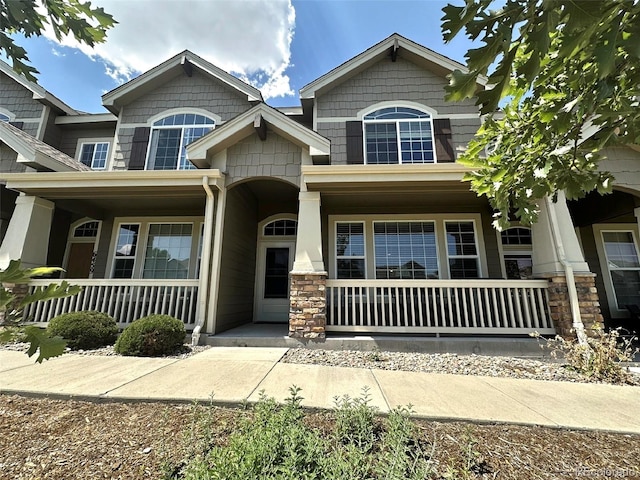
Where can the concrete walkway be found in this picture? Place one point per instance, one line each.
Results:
(233, 375)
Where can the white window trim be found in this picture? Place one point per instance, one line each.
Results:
(476, 256)
(143, 238)
(335, 248)
(512, 249)
(381, 105)
(273, 218)
(598, 230)
(438, 218)
(73, 239)
(84, 141)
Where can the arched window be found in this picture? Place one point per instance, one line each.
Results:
(86, 230)
(516, 252)
(4, 118)
(398, 135)
(169, 137)
(281, 228)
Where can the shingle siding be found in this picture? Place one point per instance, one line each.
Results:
(274, 157)
(8, 163)
(18, 100)
(389, 81)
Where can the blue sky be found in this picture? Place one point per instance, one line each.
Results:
(279, 45)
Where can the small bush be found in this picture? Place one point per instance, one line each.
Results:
(600, 358)
(151, 336)
(84, 330)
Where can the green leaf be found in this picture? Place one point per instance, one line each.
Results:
(42, 342)
(461, 85)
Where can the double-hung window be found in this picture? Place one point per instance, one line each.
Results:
(350, 250)
(94, 155)
(170, 137)
(398, 135)
(623, 264)
(516, 252)
(462, 250)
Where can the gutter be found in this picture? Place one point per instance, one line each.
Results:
(577, 324)
(205, 262)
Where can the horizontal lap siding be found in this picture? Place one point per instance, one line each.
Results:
(238, 263)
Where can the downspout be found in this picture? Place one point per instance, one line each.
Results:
(577, 324)
(205, 263)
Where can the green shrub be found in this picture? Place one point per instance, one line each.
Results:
(151, 336)
(84, 330)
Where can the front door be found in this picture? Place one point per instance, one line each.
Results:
(275, 260)
(80, 259)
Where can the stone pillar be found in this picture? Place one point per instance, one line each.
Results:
(308, 300)
(308, 296)
(560, 306)
(27, 238)
(19, 291)
(547, 264)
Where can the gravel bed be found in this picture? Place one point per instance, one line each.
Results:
(449, 363)
(185, 351)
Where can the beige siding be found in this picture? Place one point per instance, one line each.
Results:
(624, 164)
(274, 157)
(238, 264)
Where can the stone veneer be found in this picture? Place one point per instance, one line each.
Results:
(20, 291)
(308, 305)
(560, 306)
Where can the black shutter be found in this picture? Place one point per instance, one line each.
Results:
(139, 148)
(17, 124)
(355, 153)
(443, 141)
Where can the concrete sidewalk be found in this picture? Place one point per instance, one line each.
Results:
(235, 374)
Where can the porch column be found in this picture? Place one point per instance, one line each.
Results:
(27, 237)
(307, 296)
(548, 263)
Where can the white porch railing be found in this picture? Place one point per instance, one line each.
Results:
(439, 306)
(125, 300)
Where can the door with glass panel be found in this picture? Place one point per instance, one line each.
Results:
(275, 261)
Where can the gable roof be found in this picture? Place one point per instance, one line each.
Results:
(36, 154)
(248, 123)
(183, 61)
(389, 47)
(38, 92)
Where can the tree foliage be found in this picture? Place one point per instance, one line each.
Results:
(65, 17)
(40, 341)
(568, 72)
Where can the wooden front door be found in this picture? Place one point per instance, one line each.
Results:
(80, 258)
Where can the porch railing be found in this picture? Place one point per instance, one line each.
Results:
(125, 300)
(439, 306)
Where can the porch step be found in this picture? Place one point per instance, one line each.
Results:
(256, 335)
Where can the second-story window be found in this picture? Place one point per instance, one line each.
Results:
(398, 135)
(4, 118)
(171, 135)
(94, 155)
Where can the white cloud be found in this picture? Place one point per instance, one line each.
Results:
(250, 38)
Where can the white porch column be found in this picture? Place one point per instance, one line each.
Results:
(309, 239)
(27, 236)
(546, 260)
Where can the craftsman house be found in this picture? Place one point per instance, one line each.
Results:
(193, 197)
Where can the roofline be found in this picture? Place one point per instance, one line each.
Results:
(39, 93)
(86, 118)
(253, 94)
(318, 145)
(309, 90)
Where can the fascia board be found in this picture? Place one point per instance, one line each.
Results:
(373, 54)
(86, 118)
(333, 174)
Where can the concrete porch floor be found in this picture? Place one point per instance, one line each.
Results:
(276, 335)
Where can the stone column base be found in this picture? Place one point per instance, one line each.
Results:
(308, 305)
(588, 300)
(19, 291)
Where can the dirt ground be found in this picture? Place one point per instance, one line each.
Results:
(66, 439)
